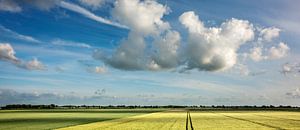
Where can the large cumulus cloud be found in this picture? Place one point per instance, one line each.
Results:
(152, 44)
(144, 18)
(214, 48)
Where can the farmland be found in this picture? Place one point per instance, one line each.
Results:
(57, 118)
(234, 120)
(153, 119)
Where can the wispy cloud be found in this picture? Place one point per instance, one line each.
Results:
(88, 14)
(16, 6)
(9, 33)
(61, 42)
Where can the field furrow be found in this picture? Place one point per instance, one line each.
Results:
(216, 121)
(154, 121)
(266, 119)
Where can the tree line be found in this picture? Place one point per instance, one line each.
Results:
(200, 107)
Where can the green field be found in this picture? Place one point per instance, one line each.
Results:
(128, 119)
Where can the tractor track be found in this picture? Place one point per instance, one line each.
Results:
(188, 121)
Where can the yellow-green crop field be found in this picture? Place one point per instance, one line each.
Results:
(149, 119)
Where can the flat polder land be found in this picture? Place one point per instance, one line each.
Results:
(148, 119)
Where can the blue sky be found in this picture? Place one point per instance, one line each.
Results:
(133, 52)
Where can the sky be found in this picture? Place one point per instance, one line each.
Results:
(150, 52)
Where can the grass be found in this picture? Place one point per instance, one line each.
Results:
(57, 118)
(148, 119)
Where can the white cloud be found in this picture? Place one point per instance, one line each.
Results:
(141, 16)
(268, 34)
(166, 51)
(61, 42)
(9, 5)
(191, 21)
(279, 52)
(94, 4)
(88, 14)
(34, 64)
(7, 53)
(256, 54)
(213, 49)
(132, 54)
(260, 51)
(208, 48)
(9, 33)
(153, 45)
(100, 69)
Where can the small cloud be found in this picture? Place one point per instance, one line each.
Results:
(256, 54)
(35, 64)
(100, 69)
(268, 34)
(94, 4)
(91, 66)
(279, 52)
(97, 69)
(7, 53)
(273, 53)
(294, 94)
